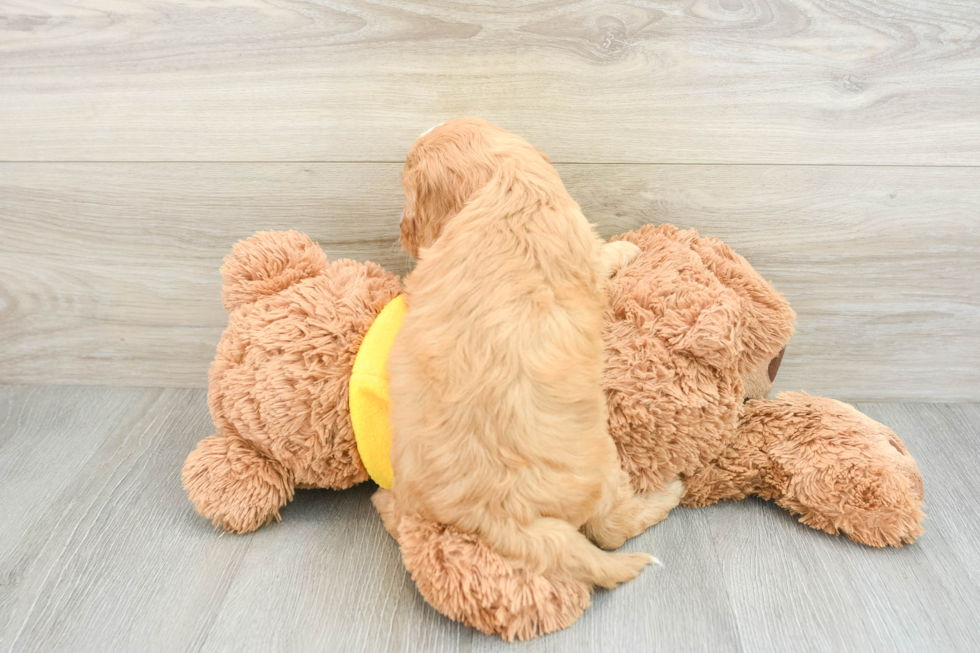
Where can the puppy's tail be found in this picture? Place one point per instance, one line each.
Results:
(548, 544)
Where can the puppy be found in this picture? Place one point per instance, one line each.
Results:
(498, 414)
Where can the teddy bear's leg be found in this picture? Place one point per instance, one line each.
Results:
(626, 514)
(235, 486)
(466, 580)
(839, 469)
(740, 469)
(722, 479)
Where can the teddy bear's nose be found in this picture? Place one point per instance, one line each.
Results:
(774, 365)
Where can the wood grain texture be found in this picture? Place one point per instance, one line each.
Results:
(103, 552)
(698, 81)
(334, 582)
(681, 606)
(795, 590)
(48, 435)
(107, 549)
(116, 558)
(947, 456)
(109, 272)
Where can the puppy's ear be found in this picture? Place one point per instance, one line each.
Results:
(429, 201)
(409, 238)
(443, 170)
(435, 190)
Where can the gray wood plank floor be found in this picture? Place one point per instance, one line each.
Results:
(100, 551)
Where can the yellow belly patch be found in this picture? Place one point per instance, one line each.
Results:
(369, 401)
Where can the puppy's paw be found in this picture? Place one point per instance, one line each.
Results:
(660, 503)
(625, 567)
(617, 255)
(675, 489)
(384, 503)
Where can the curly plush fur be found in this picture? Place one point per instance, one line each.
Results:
(278, 386)
(690, 334)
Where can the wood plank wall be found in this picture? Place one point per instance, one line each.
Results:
(835, 144)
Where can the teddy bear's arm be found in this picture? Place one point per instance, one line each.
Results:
(837, 468)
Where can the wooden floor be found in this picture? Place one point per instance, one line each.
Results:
(835, 143)
(101, 551)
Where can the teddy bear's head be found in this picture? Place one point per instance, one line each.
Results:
(692, 332)
(281, 373)
(278, 386)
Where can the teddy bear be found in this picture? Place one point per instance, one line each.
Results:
(694, 337)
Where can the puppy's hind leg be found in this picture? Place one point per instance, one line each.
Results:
(617, 255)
(623, 514)
(547, 543)
(384, 503)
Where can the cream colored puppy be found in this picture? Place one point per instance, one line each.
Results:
(498, 413)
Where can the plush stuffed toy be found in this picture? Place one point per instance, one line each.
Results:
(694, 338)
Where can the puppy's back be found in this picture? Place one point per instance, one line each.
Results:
(497, 405)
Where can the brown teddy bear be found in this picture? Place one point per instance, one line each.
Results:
(694, 338)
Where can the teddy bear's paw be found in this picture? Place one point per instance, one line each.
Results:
(233, 485)
(467, 580)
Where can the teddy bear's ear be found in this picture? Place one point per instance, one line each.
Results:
(708, 327)
(767, 318)
(267, 263)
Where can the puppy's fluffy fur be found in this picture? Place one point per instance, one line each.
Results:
(498, 414)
